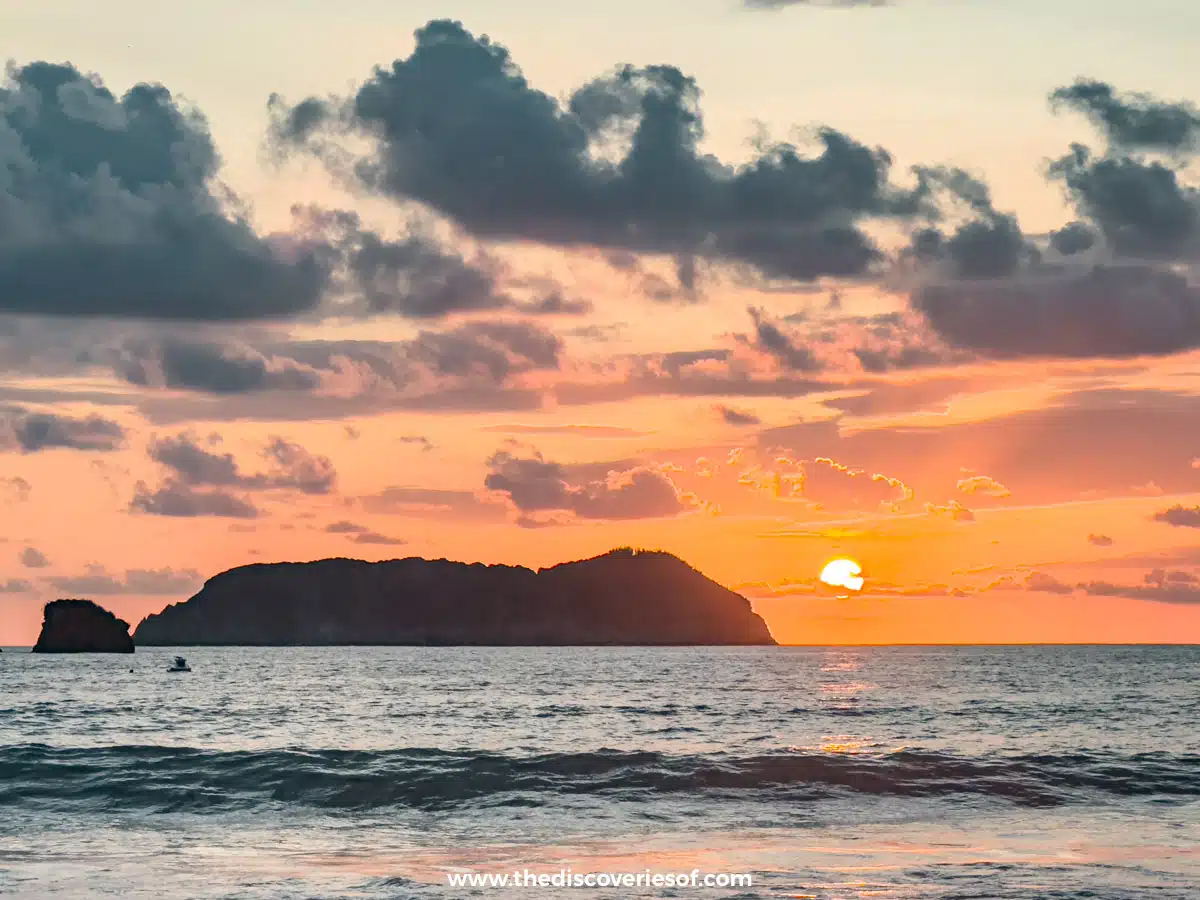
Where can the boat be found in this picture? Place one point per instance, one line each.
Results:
(179, 665)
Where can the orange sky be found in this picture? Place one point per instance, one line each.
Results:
(1018, 461)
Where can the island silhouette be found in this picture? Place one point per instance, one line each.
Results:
(623, 597)
(81, 626)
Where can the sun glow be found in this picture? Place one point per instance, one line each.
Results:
(843, 573)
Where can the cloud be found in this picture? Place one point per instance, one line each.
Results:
(880, 398)
(986, 242)
(279, 379)
(361, 534)
(876, 344)
(15, 488)
(1116, 290)
(1048, 584)
(535, 485)
(554, 303)
(16, 586)
(1133, 121)
(587, 431)
(1141, 207)
(1072, 238)
(413, 276)
(31, 432)
(98, 581)
(290, 466)
(618, 166)
(110, 207)
(33, 558)
(374, 537)
(1160, 586)
(427, 503)
(346, 527)
(1100, 540)
(212, 368)
(1035, 453)
(1180, 516)
(953, 510)
(1102, 311)
(733, 416)
(174, 498)
(772, 340)
(418, 439)
(982, 484)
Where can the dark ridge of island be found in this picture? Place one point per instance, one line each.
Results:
(81, 626)
(625, 597)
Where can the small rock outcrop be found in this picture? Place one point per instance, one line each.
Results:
(625, 597)
(81, 626)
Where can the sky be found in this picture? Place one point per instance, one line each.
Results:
(912, 284)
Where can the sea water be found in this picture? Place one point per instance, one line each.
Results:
(1056, 772)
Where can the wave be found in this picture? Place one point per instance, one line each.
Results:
(166, 779)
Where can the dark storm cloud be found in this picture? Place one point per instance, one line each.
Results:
(200, 482)
(534, 485)
(1075, 237)
(291, 467)
(1105, 310)
(1136, 217)
(211, 368)
(986, 244)
(1141, 207)
(492, 351)
(469, 366)
(456, 126)
(412, 276)
(769, 338)
(555, 304)
(498, 348)
(33, 431)
(109, 207)
(1133, 121)
(1180, 516)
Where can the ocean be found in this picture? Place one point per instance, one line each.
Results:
(838, 772)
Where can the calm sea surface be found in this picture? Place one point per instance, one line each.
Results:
(934, 773)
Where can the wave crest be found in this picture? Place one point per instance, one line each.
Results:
(170, 779)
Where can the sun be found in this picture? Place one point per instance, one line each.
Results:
(843, 573)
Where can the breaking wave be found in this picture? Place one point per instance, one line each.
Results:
(165, 779)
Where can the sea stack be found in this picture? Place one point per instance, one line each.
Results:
(81, 626)
(625, 597)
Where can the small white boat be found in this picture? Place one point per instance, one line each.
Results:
(179, 665)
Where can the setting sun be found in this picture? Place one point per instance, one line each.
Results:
(843, 573)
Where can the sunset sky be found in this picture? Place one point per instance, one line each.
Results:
(913, 284)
